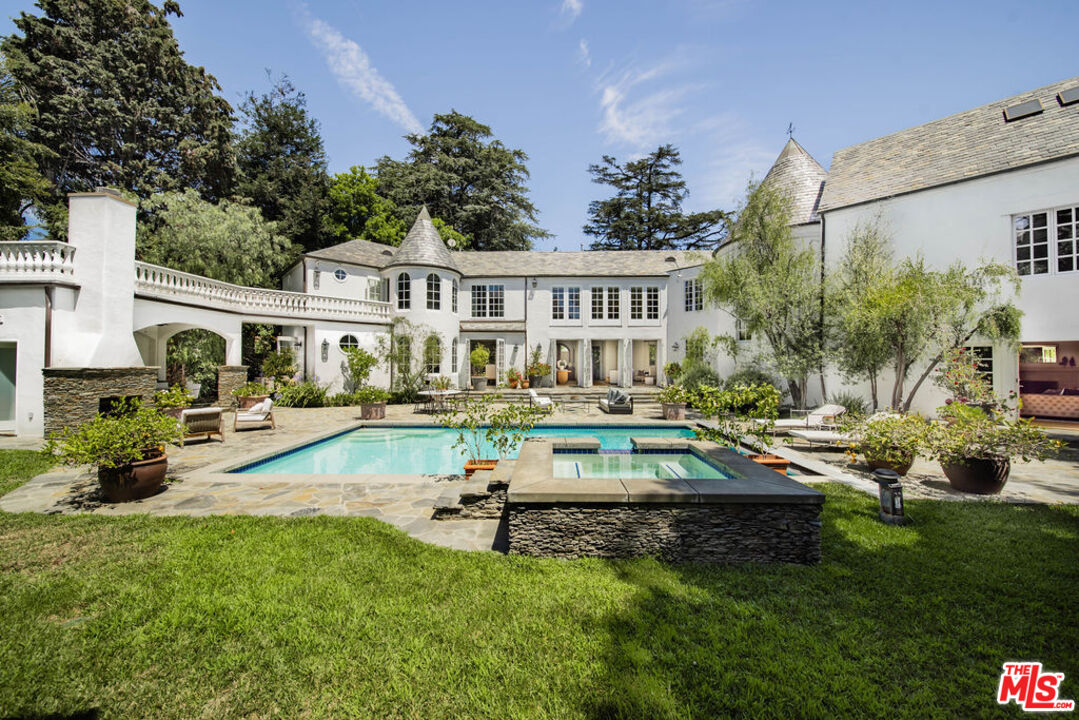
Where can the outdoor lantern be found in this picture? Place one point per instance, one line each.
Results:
(891, 496)
(674, 346)
(325, 350)
(535, 282)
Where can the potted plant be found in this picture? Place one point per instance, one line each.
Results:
(442, 383)
(889, 442)
(250, 394)
(562, 374)
(743, 415)
(673, 398)
(976, 448)
(126, 446)
(478, 358)
(672, 371)
(173, 401)
(280, 366)
(372, 402)
(525, 382)
(537, 373)
(513, 377)
(484, 429)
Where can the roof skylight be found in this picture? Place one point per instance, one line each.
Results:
(1022, 110)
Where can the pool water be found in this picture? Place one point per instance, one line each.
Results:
(425, 450)
(649, 465)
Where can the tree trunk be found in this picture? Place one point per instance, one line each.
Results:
(797, 398)
(900, 376)
(873, 390)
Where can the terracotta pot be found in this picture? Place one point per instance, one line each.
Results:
(472, 466)
(674, 411)
(775, 462)
(373, 411)
(901, 469)
(513, 384)
(979, 475)
(246, 401)
(563, 377)
(135, 481)
(525, 384)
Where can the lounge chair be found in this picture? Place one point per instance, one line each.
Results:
(543, 402)
(258, 414)
(202, 421)
(617, 402)
(822, 418)
(820, 437)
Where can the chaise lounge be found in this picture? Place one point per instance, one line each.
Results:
(258, 414)
(617, 402)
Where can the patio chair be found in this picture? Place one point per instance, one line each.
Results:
(821, 418)
(617, 402)
(202, 421)
(258, 414)
(543, 402)
(820, 437)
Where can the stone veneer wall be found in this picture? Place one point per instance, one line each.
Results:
(730, 532)
(229, 377)
(73, 395)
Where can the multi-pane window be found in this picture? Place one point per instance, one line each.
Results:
(612, 303)
(434, 292)
(377, 288)
(694, 297)
(348, 342)
(404, 291)
(636, 303)
(453, 298)
(488, 301)
(653, 303)
(573, 303)
(432, 355)
(1046, 241)
(741, 330)
(558, 303)
(453, 356)
(597, 303)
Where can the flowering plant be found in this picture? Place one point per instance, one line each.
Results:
(889, 439)
(960, 375)
(983, 435)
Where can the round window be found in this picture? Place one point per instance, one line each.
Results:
(348, 342)
(340, 274)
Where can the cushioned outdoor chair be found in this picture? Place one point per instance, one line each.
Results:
(543, 402)
(202, 421)
(258, 414)
(617, 402)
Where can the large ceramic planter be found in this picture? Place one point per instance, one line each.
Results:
(563, 377)
(979, 476)
(249, 401)
(900, 469)
(135, 481)
(479, 382)
(674, 411)
(373, 411)
(472, 466)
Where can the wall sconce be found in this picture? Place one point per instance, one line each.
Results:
(674, 346)
(325, 350)
(317, 273)
(535, 282)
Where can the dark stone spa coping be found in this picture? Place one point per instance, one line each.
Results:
(533, 480)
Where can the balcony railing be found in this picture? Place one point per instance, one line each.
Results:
(161, 283)
(42, 261)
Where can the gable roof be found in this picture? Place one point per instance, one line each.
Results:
(802, 177)
(959, 147)
(357, 252)
(423, 246)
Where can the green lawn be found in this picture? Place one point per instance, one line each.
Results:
(238, 617)
(18, 466)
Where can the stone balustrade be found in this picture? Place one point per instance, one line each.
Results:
(36, 261)
(161, 283)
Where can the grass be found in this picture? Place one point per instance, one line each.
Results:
(18, 466)
(128, 617)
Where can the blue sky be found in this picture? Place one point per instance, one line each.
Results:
(568, 81)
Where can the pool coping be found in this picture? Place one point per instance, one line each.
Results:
(533, 482)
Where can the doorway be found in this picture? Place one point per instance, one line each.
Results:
(8, 366)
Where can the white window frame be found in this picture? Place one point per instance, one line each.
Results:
(651, 303)
(1057, 223)
(694, 299)
(404, 291)
(573, 303)
(340, 275)
(488, 301)
(454, 365)
(741, 331)
(558, 303)
(344, 346)
(614, 302)
(479, 301)
(598, 293)
(434, 368)
(434, 291)
(455, 289)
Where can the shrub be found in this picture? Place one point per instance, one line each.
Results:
(175, 397)
(250, 389)
(892, 439)
(856, 405)
(132, 432)
(479, 357)
(371, 394)
(280, 366)
(736, 412)
(342, 399)
(673, 371)
(698, 376)
(984, 435)
(673, 394)
(302, 395)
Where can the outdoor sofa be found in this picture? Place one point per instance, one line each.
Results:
(617, 402)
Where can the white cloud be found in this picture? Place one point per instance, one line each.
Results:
(635, 119)
(353, 70)
(736, 156)
(571, 9)
(584, 54)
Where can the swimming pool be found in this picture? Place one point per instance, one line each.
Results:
(426, 450)
(644, 465)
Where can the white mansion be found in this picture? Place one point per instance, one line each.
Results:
(84, 320)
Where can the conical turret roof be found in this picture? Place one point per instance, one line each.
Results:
(423, 246)
(799, 174)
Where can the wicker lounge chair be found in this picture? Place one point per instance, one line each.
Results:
(258, 414)
(202, 421)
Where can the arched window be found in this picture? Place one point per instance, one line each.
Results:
(404, 291)
(348, 342)
(453, 298)
(453, 352)
(432, 355)
(434, 292)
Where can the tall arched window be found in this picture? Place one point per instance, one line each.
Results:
(404, 291)
(453, 298)
(432, 355)
(453, 356)
(434, 292)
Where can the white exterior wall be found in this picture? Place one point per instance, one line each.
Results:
(442, 322)
(972, 221)
(22, 321)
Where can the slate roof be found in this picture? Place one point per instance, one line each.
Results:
(357, 252)
(423, 246)
(959, 147)
(597, 263)
(802, 177)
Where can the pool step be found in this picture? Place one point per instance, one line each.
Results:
(484, 496)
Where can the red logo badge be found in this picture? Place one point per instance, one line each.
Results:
(1032, 689)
